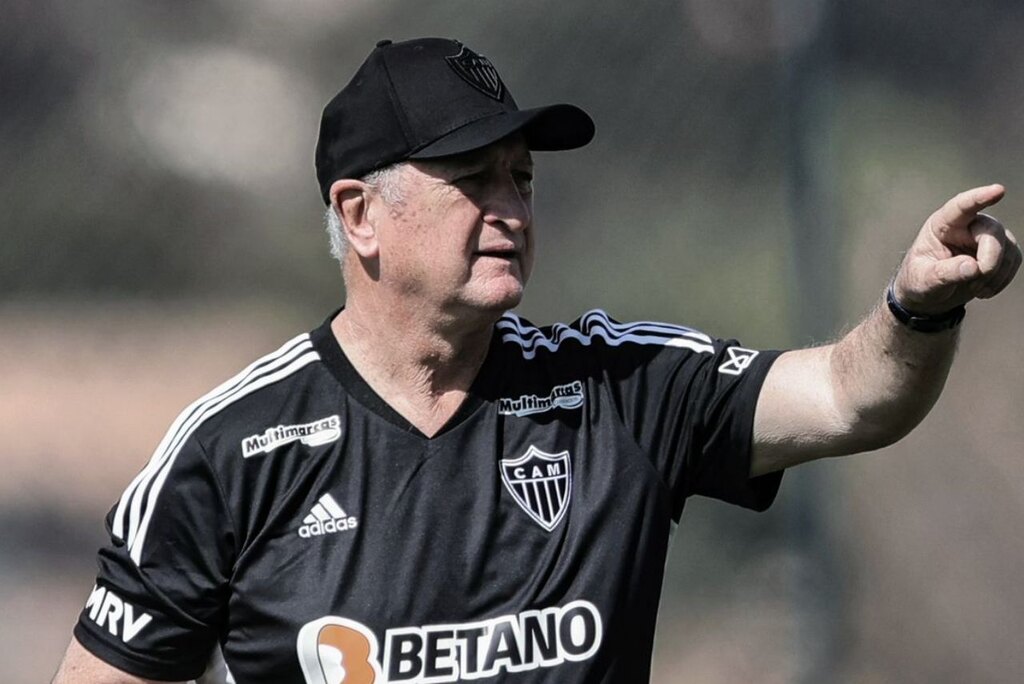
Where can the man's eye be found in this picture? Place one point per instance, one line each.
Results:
(469, 178)
(524, 181)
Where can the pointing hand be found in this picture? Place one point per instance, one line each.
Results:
(960, 254)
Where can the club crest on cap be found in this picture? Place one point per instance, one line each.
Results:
(477, 71)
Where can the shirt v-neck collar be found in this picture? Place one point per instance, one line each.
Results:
(481, 391)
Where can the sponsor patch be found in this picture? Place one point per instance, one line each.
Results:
(335, 650)
(568, 396)
(120, 618)
(541, 483)
(313, 434)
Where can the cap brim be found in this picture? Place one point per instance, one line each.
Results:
(551, 128)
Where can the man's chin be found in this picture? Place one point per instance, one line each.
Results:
(503, 304)
(497, 302)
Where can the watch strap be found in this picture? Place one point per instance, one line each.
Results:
(926, 323)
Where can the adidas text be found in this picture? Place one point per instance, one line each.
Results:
(318, 528)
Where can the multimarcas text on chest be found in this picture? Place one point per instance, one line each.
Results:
(322, 431)
(567, 396)
(336, 650)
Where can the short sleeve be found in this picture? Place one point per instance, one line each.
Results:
(160, 595)
(689, 401)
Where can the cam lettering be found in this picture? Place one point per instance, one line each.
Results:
(553, 470)
(109, 610)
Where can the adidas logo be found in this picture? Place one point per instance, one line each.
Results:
(327, 518)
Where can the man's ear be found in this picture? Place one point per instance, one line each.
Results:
(350, 199)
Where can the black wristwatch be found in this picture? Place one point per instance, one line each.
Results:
(926, 323)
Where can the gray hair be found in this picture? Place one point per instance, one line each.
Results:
(385, 182)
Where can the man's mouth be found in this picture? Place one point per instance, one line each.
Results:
(498, 253)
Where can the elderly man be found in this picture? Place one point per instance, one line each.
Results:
(428, 488)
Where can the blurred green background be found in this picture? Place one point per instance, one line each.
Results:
(759, 167)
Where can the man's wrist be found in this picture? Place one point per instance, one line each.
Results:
(926, 323)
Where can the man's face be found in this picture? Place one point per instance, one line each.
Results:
(462, 236)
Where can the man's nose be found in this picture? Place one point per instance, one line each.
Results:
(509, 207)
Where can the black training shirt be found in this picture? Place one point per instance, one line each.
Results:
(294, 527)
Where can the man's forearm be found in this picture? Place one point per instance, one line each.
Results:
(861, 393)
(886, 377)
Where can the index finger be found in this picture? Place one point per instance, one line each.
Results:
(956, 214)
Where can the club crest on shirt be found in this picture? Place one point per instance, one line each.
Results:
(541, 483)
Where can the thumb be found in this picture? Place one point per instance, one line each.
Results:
(956, 270)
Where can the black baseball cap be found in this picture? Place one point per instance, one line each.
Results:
(427, 98)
